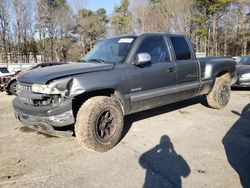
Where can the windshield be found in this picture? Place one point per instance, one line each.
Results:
(113, 50)
(244, 60)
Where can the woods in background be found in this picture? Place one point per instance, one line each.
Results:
(52, 30)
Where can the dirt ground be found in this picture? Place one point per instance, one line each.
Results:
(184, 144)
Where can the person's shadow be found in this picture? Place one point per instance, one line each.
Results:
(237, 146)
(164, 167)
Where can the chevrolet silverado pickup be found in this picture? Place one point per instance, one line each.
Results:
(119, 76)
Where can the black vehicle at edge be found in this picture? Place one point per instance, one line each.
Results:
(120, 76)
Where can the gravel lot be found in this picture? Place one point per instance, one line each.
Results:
(184, 144)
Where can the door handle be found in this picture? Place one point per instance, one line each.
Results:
(173, 69)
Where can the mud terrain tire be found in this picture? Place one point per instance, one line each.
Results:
(219, 97)
(99, 124)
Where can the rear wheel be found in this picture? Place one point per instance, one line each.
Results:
(99, 124)
(219, 97)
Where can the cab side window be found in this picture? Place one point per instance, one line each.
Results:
(156, 47)
(181, 48)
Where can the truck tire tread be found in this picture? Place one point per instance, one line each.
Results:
(85, 123)
(213, 97)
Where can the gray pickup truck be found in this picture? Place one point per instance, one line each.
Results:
(119, 76)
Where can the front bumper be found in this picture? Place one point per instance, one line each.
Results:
(45, 119)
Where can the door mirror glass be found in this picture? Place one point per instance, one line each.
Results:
(142, 58)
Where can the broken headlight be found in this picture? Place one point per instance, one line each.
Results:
(44, 89)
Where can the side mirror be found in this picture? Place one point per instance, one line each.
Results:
(142, 58)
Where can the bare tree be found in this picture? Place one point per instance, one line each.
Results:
(161, 16)
(4, 26)
(91, 27)
(24, 27)
(63, 28)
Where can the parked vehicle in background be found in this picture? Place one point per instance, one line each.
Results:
(4, 77)
(3, 81)
(4, 71)
(119, 76)
(11, 81)
(243, 71)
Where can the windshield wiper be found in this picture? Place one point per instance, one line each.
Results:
(98, 60)
(81, 61)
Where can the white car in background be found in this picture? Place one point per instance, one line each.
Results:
(4, 76)
(4, 71)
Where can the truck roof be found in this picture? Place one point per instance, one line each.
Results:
(149, 34)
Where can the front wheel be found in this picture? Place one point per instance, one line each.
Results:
(219, 97)
(99, 124)
(12, 88)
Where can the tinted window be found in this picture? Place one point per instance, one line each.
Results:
(4, 70)
(181, 48)
(156, 47)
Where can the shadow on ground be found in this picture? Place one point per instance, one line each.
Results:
(240, 88)
(237, 146)
(130, 119)
(164, 167)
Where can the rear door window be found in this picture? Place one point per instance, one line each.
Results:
(181, 48)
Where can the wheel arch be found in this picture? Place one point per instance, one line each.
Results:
(10, 82)
(109, 92)
(7, 87)
(218, 75)
(222, 73)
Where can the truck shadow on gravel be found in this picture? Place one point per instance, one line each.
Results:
(164, 167)
(237, 146)
(130, 119)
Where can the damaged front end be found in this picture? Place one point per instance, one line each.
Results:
(47, 107)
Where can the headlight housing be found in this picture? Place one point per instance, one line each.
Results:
(247, 75)
(44, 89)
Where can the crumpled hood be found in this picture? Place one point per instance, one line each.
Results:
(242, 69)
(44, 75)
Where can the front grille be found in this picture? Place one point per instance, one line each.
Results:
(24, 92)
(25, 87)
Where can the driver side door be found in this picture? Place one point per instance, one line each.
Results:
(151, 84)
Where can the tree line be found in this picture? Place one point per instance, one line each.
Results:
(58, 31)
